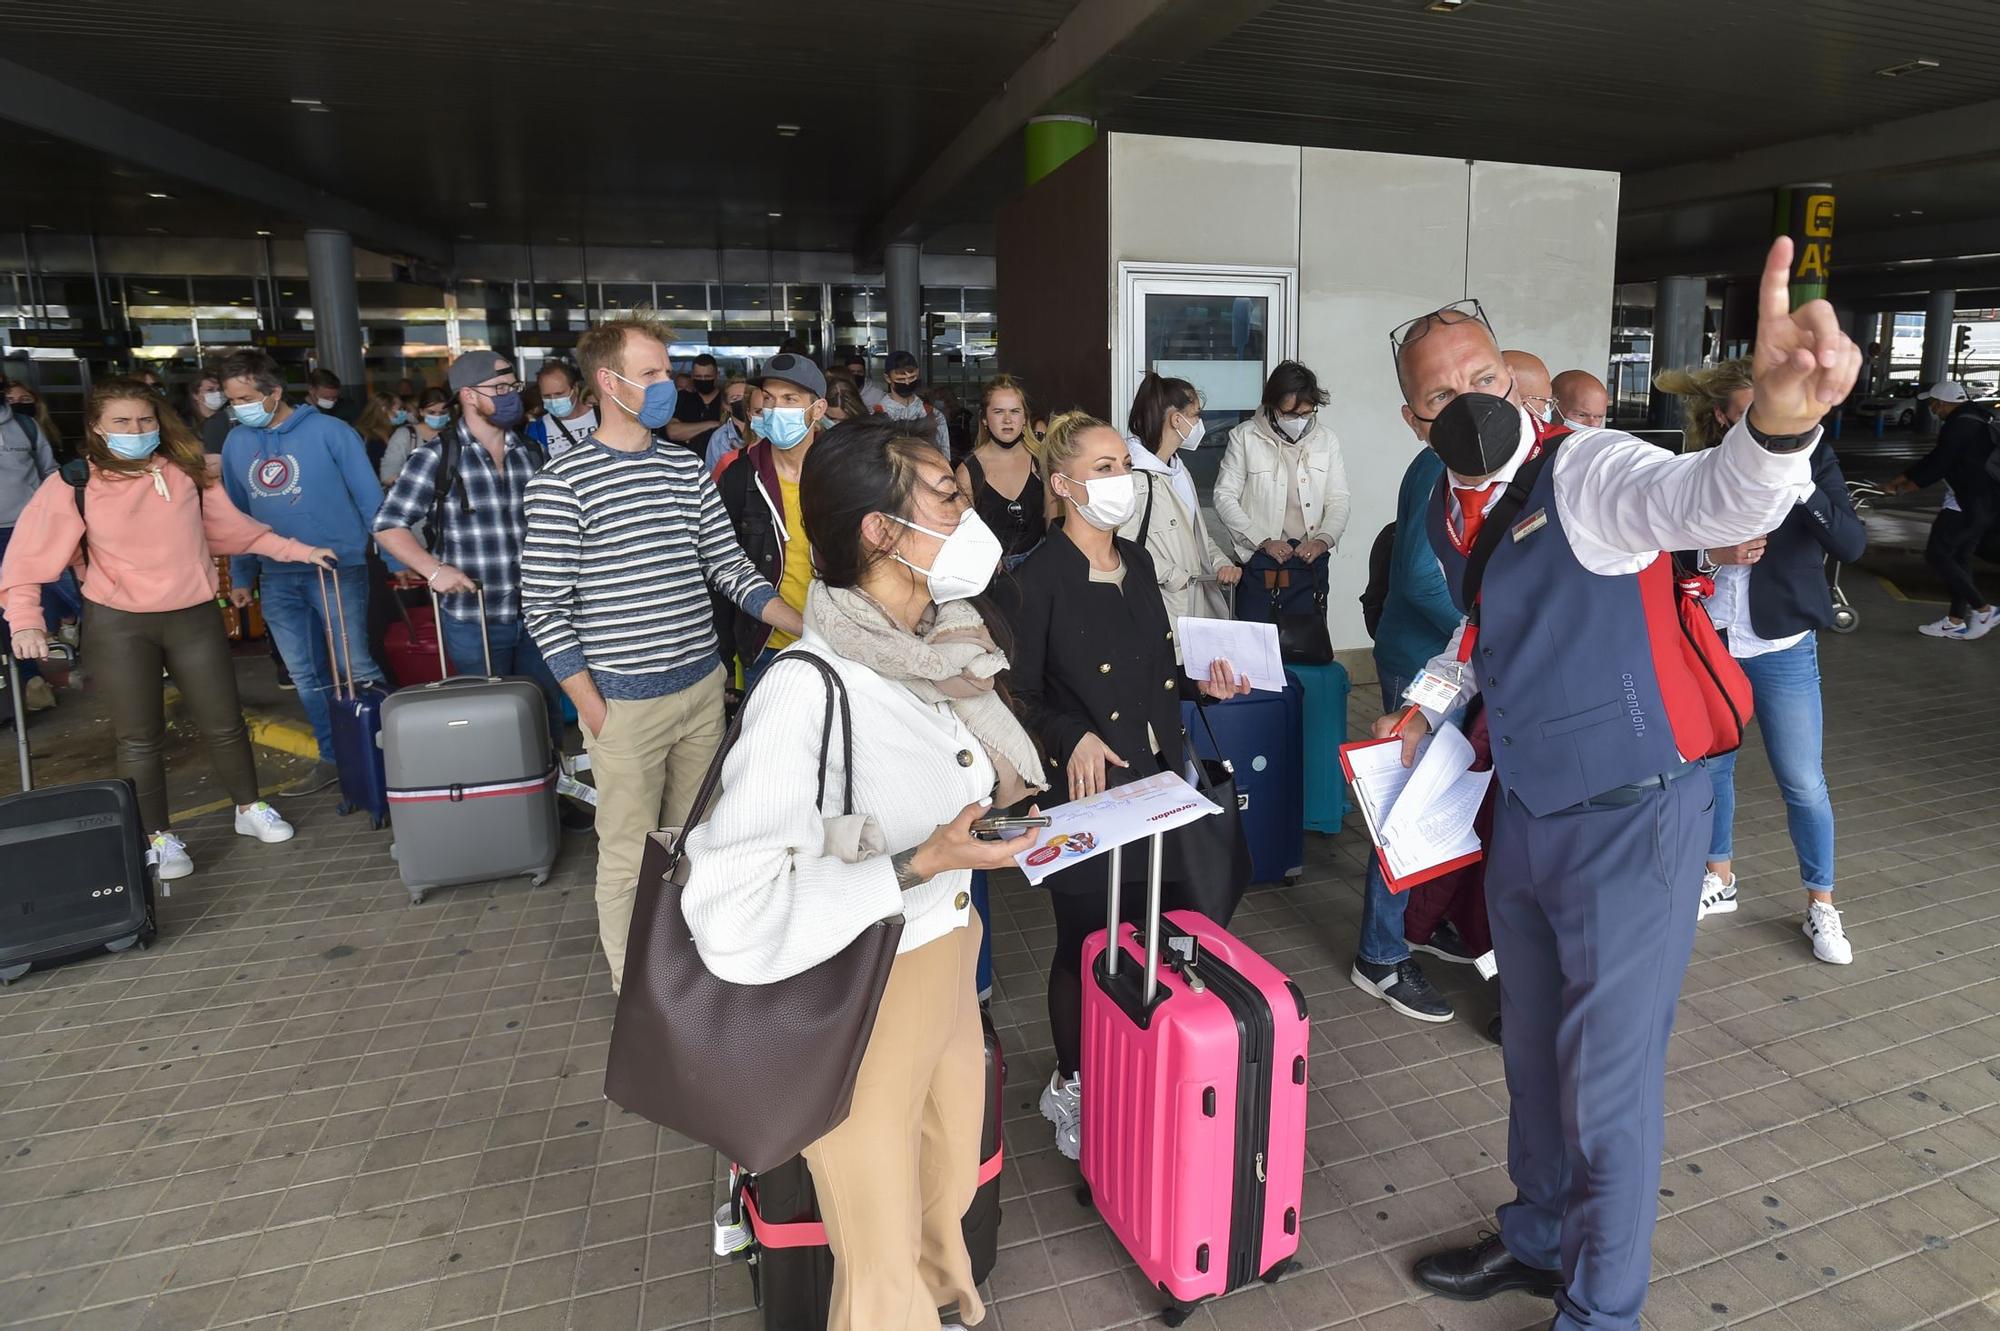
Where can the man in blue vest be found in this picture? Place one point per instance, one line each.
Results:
(1598, 725)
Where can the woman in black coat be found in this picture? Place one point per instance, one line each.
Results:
(1095, 680)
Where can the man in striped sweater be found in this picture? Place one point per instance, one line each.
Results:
(626, 534)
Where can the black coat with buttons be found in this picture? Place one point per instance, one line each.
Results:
(1093, 657)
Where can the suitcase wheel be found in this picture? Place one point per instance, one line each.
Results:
(539, 876)
(417, 896)
(1281, 1270)
(128, 941)
(9, 974)
(1176, 1313)
(1083, 1197)
(343, 808)
(1291, 880)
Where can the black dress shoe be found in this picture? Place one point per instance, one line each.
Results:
(1483, 1270)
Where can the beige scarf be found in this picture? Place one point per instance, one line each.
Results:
(950, 659)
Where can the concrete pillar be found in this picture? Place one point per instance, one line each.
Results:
(336, 308)
(1936, 364)
(1885, 343)
(1678, 315)
(902, 274)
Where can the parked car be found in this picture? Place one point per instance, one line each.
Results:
(1897, 403)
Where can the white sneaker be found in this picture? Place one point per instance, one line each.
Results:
(1946, 627)
(260, 820)
(1829, 940)
(1717, 897)
(1062, 1105)
(168, 855)
(1980, 623)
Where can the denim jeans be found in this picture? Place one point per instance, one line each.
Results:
(297, 617)
(1786, 688)
(1382, 942)
(60, 600)
(514, 653)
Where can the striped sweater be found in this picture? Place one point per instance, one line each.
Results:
(615, 568)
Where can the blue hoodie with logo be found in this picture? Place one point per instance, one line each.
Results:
(307, 478)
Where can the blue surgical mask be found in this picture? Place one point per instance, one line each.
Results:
(508, 410)
(253, 414)
(657, 407)
(558, 406)
(132, 447)
(436, 422)
(785, 427)
(399, 418)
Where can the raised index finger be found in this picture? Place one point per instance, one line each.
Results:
(1774, 293)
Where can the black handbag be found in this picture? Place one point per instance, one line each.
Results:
(1209, 859)
(1294, 599)
(693, 1052)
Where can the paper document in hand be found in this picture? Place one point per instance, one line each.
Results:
(1422, 816)
(1086, 828)
(1251, 650)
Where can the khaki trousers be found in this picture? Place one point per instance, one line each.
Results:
(648, 764)
(896, 1178)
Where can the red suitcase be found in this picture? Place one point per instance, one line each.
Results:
(412, 646)
(1194, 1101)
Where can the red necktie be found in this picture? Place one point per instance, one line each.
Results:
(1471, 511)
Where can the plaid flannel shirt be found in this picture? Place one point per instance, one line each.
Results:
(485, 543)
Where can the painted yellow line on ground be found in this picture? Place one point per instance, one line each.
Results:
(285, 736)
(1901, 595)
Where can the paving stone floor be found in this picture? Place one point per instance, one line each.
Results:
(312, 1106)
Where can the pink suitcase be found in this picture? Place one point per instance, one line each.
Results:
(1194, 1101)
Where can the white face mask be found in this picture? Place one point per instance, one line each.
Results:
(1108, 501)
(212, 399)
(328, 403)
(1193, 437)
(964, 564)
(1294, 427)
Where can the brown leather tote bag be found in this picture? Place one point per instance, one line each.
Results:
(757, 1071)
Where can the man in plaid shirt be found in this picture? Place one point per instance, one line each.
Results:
(478, 526)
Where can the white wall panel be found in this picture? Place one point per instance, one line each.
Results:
(1543, 245)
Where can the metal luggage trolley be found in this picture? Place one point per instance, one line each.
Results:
(1846, 618)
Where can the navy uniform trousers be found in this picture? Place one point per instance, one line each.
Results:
(1593, 914)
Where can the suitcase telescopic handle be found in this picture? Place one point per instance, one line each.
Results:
(336, 610)
(58, 651)
(1155, 859)
(485, 643)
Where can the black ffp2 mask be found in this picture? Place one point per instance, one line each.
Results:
(1476, 434)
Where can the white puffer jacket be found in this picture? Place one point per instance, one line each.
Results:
(1256, 479)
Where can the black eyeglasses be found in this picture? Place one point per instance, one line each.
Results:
(1458, 312)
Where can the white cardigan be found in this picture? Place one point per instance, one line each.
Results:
(1256, 478)
(765, 900)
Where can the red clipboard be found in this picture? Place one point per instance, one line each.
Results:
(1422, 875)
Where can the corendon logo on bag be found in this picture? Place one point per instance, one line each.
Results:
(275, 477)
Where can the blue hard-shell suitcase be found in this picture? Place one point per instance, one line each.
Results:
(1323, 720)
(355, 716)
(1259, 734)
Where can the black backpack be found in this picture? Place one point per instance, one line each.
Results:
(449, 443)
(1376, 595)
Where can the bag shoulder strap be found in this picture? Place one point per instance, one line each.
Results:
(1146, 523)
(836, 700)
(28, 428)
(76, 474)
(1498, 521)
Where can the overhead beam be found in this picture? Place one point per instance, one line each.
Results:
(1936, 136)
(1104, 50)
(1943, 241)
(68, 113)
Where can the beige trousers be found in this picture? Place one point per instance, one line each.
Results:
(896, 1178)
(648, 764)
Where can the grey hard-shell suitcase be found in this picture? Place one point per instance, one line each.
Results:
(472, 780)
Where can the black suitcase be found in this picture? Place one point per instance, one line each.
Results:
(76, 876)
(791, 1268)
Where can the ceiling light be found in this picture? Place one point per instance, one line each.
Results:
(774, 214)
(320, 110)
(1990, 254)
(158, 194)
(1916, 212)
(972, 249)
(476, 203)
(1907, 67)
(305, 101)
(284, 293)
(156, 230)
(563, 240)
(263, 233)
(40, 226)
(788, 131)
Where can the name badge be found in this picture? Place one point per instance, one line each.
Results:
(1531, 524)
(1432, 692)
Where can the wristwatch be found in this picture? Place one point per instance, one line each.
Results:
(1777, 443)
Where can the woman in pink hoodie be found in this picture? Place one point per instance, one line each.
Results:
(143, 533)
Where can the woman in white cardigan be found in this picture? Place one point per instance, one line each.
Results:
(1166, 519)
(776, 887)
(1283, 488)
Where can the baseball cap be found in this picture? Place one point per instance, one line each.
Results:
(794, 370)
(476, 367)
(1945, 390)
(901, 360)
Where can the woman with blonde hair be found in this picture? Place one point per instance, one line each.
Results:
(1770, 598)
(999, 472)
(385, 416)
(147, 524)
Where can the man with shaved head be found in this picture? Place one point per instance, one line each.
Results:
(1598, 723)
(1581, 399)
(1532, 374)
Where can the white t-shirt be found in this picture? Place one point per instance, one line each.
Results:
(580, 428)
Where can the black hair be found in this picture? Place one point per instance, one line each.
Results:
(1156, 400)
(704, 359)
(1292, 379)
(253, 365)
(323, 379)
(867, 466)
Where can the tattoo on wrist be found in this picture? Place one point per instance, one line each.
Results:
(903, 863)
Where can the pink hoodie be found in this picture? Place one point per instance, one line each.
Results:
(148, 552)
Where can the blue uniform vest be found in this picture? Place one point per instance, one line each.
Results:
(1565, 660)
